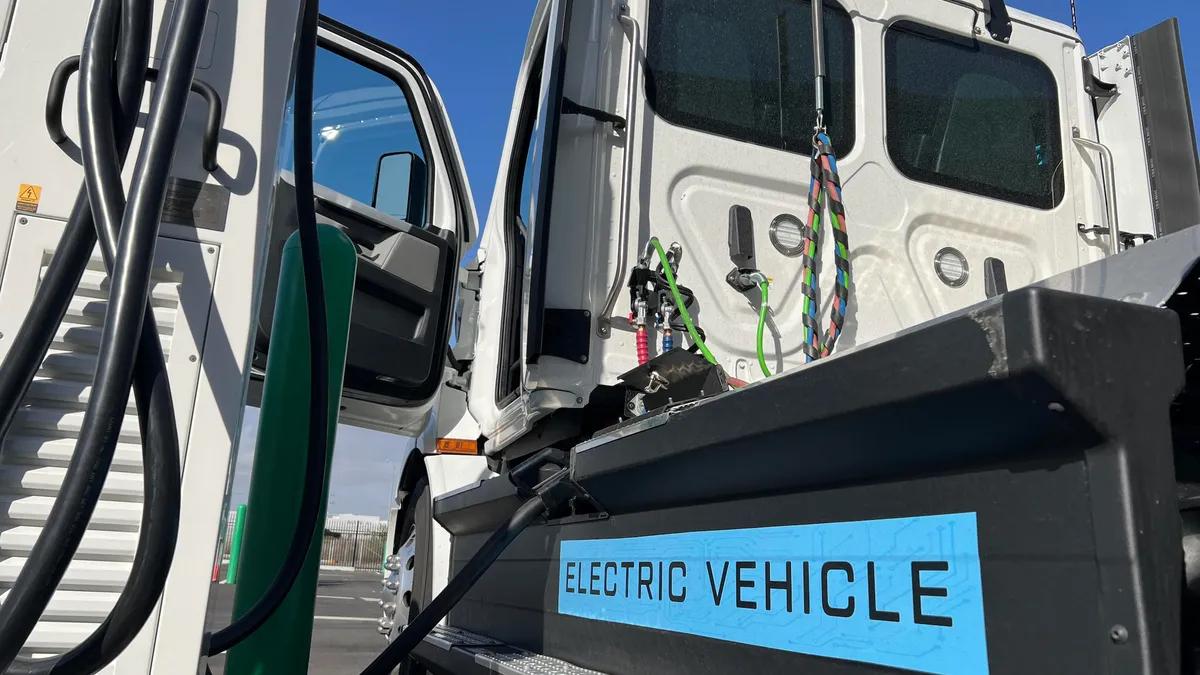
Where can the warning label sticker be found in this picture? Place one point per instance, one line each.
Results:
(28, 197)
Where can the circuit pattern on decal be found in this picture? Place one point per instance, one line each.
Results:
(903, 592)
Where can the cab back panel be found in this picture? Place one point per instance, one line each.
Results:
(954, 150)
(725, 118)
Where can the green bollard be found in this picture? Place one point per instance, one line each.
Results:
(282, 644)
(235, 546)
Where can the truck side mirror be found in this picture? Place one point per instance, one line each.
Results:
(400, 186)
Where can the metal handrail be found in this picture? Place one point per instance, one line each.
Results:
(1109, 184)
(604, 324)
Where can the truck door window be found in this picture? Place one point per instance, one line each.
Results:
(972, 116)
(365, 143)
(744, 70)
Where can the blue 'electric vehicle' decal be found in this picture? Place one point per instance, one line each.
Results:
(902, 592)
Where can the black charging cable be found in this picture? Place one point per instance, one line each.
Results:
(123, 324)
(544, 499)
(160, 450)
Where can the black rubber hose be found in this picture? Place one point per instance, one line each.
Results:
(160, 449)
(62, 277)
(130, 275)
(318, 331)
(75, 246)
(408, 639)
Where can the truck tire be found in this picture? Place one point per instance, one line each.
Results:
(415, 525)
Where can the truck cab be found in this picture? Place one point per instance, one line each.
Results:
(980, 149)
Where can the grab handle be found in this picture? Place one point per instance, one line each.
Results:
(1109, 185)
(58, 93)
(604, 324)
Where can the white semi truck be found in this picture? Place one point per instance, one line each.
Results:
(982, 150)
(648, 450)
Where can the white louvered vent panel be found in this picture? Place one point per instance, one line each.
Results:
(38, 450)
(53, 416)
(33, 510)
(76, 606)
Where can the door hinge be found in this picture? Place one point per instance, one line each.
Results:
(460, 381)
(999, 24)
(466, 314)
(1094, 86)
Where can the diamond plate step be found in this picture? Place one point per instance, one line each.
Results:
(465, 653)
(448, 637)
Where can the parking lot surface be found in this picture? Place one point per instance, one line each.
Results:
(344, 639)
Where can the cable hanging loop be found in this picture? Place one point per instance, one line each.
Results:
(825, 191)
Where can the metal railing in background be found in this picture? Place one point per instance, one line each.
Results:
(354, 543)
(360, 544)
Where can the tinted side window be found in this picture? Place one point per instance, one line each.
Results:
(744, 70)
(519, 193)
(365, 143)
(524, 210)
(972, 116)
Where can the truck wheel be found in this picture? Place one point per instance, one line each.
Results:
(415, 559)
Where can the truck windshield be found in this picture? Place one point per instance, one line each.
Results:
(744, 70)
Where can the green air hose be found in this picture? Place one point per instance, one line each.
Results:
(687, 319)
(762, 322)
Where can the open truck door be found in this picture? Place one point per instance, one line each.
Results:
(1144, 118)
(389, 174)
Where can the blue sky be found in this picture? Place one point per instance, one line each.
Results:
(472, 50)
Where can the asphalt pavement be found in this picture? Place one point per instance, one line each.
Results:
(344, 639)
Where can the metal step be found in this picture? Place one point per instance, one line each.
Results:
(465, 653)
